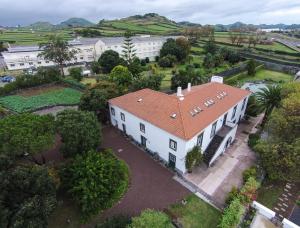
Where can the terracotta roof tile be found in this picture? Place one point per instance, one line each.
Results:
(157, 108)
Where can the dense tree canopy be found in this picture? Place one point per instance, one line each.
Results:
(121, 76)
(95, 98)
(189, 75)
(170, 47)
(80, 131)
(96, 180)
(108, 60)
(150, 218)
(152, 81)
(280, 151)
(27, 197)
(26, 134)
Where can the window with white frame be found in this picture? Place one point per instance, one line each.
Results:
(173, 144)
(200, 140)
(122, 116)
(142, 127)
(233, 112)
(213, 129)
(112, 110)
(244, 102)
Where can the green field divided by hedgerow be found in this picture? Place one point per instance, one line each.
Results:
(20, 104)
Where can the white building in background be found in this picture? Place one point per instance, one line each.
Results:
(89, 50)
(171, 125)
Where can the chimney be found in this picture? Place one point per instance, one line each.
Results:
(189, 87)
(179, 92)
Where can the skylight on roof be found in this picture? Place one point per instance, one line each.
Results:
(139, 100)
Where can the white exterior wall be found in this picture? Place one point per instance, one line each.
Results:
(157, 139)
(25, 60)
(86, 53)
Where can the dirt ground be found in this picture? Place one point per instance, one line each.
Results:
(39, 90)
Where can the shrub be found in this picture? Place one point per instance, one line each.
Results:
(249, 189)
(193, 158)
(233, 194)
(232, 214)
(251, 172)
(75, 72)
(74, 84)
(96, 181)
(253, 140)
(143, 62)
(167, 61)
(150, 219)
(147, 60)
(43, 76)
(156, 58)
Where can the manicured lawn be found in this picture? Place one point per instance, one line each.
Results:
(196, 213)
(269, 193)
(63, 96)
(262, 74)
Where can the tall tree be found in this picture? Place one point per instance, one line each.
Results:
(80, 132)
(269, 98)
(129, 53)
(58, 51)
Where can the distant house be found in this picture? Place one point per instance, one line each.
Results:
(89, 50)
(171, 125)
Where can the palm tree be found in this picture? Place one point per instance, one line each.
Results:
(269, 98)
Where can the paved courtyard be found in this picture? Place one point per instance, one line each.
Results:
(151, 185)
(219, 179)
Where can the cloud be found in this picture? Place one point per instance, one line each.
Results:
(199, 11)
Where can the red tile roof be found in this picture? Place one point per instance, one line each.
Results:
(157, 107)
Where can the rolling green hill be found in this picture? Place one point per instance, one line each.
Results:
(75, 22)
(150, 23)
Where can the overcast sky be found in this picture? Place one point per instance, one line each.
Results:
(24, 12)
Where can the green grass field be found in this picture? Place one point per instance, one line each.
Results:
(269, 193)
(19, 103)
(262, 74)
(28, 37)
(196, 213)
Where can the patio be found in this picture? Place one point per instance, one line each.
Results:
(226, 172)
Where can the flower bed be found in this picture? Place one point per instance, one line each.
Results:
(19, 104)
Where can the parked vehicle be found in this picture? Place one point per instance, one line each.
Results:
(8, 78)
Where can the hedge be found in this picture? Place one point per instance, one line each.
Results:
(74, 84)
(232, 214)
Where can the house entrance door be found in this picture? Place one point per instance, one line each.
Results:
(172, 160)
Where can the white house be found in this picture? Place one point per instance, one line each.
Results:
(89, 50)
(171, 125)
